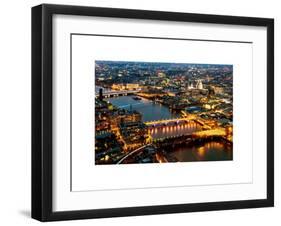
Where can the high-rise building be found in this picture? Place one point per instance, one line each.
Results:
(100, 94)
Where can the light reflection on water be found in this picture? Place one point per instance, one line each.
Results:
(150, 110)
(209, 151)
(174, 130)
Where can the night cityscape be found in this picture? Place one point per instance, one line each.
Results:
(152, 112)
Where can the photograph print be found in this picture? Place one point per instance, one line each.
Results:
(162, 112)
(143, 112)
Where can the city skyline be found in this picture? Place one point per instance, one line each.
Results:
(154, 112)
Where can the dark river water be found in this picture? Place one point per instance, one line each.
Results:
(209, 151)
(150, 110)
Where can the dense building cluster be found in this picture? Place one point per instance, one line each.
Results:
(202, 93)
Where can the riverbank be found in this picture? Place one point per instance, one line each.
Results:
(150, 110)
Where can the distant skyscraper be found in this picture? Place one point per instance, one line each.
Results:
(100, 94)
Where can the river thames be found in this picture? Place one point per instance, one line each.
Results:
(209, 151)
(151, 111)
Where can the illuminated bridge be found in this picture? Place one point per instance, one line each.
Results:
(172, 128)
(116, 93)
(208, 133)
(168, 121)
(217, 132)
(188, 125)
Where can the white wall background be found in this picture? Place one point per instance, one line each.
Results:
(15, 113)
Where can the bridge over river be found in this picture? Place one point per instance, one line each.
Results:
(172, 128)
(115, 93)
(161, 121)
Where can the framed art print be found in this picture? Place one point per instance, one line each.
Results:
(145, 112)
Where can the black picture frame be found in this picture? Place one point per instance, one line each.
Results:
(42, 106)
